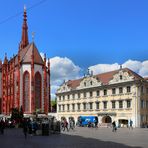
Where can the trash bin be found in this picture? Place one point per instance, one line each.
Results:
(45, 129)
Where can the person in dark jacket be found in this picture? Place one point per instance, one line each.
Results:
(2, 126)
(114, 126)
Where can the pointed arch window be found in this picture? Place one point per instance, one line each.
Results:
(26, 91)
(38, 90)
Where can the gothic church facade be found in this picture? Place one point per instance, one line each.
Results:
(25, 78)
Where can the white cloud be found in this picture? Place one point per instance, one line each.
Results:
(133, 65)
(137, 66)
(101, 68)
(144, 69)
(62, 69)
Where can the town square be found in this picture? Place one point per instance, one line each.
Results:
(74, 74)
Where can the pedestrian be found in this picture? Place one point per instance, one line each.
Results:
(130, 124)
(114, 127)
(71, 124)
(96, 122)
(65, 125)
(2, 126)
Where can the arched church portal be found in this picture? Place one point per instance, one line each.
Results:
(38, 90)
(106, 119)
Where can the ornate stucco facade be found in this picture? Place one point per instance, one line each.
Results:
(120, 96)
(25, 78)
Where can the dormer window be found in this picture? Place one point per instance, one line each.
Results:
(120, 77)
(84, 83)
(91, 83)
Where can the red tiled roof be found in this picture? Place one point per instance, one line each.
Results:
(105, 77)
(37, 57)
(25, 55)
(74, 83)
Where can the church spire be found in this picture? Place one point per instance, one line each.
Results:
(24, 41)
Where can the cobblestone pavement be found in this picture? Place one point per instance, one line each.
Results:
(79, 138)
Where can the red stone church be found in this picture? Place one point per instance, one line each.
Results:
(25, 78)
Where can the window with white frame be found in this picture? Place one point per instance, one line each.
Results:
(120, 90)
(73, 96)
(113, 104)
(90, 93)
(105, 104)
(59, 107)
(105, 92)
(68, 107)
(128, 103)
(73, 106)
(90, 105)
(128, 88)
(114, 91)
(63, 107)
(78, 95)
(142, 103)
(98, 93)
(84, 94)
(84, 106)
(97, 105)
(63, 98)
(120, 104)
(78, 106)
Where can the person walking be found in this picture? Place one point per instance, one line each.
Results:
(2, 126)
(65, 125)
(130, 124)
(114, 127)
(96, 122)
(71, 124)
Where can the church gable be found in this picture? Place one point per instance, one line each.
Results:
(28, 55)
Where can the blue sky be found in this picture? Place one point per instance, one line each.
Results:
(86, 31)
(83, 32)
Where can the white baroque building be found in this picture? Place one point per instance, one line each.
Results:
(119, 95)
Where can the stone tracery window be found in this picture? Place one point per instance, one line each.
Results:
(26, 94)
(38, 83)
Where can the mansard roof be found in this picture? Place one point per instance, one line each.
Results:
(104, 78)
